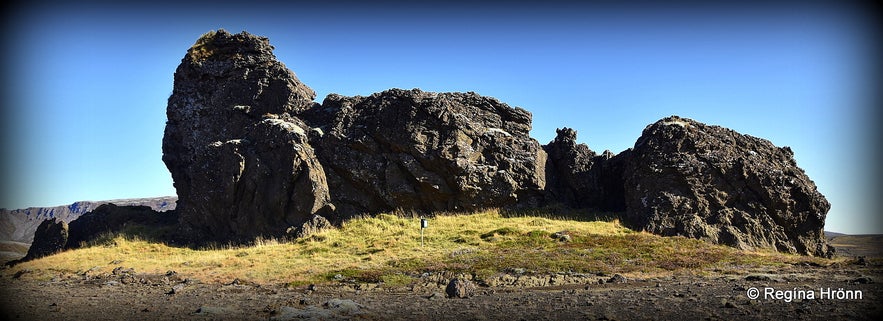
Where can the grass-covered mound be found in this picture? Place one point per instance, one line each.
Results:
(387, 248)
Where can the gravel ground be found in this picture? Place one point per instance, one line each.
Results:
(848, 291)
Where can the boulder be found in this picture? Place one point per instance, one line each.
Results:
(708, 182)
(314, 225)
(460, 288)
(241, 163)
(410, 149)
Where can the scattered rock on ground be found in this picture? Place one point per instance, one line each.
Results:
(562, 236)
(617, 278)
(460, 288)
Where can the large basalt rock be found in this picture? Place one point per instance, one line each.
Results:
(708, 182)
(242, 166)
(50, 238)
(411, 149)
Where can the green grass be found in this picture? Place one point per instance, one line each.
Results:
(387, 249)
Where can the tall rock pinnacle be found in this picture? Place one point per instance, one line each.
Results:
(242, 167)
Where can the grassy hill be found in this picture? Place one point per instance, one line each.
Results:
(387, 248)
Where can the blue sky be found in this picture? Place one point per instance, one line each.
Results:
(87, 85)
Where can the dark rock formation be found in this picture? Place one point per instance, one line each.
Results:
(241, 165)
(19, 225)
(252, 155)
(50, 238)
(110, 218)
(432, 152)
(579, 178)
(707, 182)
(55, 235)
(567, 171)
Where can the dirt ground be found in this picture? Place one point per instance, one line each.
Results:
(843, 291)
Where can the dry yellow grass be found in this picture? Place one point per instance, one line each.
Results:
(387, 248)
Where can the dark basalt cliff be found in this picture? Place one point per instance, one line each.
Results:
(252, 154)
(411, 149)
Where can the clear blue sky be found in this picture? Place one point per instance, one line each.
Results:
(87, 85)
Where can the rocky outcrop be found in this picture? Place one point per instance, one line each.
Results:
(51, 237)
(19, 225)
(250, 152)
(56, 235)
(411, 149)
(252, 155)
(315, 225)
(242, 166)
(708, 182)
(577, 177)
(110, 218)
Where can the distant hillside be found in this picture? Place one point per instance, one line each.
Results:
(870, 245)
(19, 225)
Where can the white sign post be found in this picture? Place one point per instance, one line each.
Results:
(423, 224)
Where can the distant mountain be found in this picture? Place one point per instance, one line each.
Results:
(19, 225)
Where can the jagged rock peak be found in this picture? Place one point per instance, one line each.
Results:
(577, 177)
(565, 135)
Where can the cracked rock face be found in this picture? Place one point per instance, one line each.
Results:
(708, 182)
(242, 167)
(411, 149)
